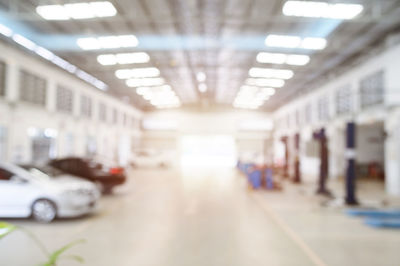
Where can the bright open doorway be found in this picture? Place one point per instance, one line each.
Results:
(208, 151)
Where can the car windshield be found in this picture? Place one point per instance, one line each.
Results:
(42, 171)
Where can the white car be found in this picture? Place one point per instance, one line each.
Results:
(29, 191)
(150, 158)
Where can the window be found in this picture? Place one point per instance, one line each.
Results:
(308, 113)
(102, 112)
(64, 101)
(115, 116)
(125, 119)
(297, 117)
(86, 106)
(32, 88)
(344, 100)
(3, 143)
(323, 108)
(2, 79)
(372, 89)
(5, 175)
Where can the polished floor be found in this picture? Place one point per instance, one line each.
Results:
(208, 217)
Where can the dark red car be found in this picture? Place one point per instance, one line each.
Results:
(107, 178)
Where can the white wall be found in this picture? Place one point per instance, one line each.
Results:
(72, 129)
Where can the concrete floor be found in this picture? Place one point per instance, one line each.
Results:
(208, 217)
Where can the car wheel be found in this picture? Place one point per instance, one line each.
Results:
(44, 211)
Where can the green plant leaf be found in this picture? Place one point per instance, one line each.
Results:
(6, 228)
(54, 257)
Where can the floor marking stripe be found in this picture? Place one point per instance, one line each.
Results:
(292, 235)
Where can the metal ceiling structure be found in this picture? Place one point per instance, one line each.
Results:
(218, 37)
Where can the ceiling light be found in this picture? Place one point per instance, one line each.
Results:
(128, 40)
(21, 40)
(79, 10)
(257, 72)
(297, 60)
(147, 72)
(202, 87)
(269, 91)
(285, 41)
(143, 82)
(46, 54)
(261, 82)
(313, 43)
(52, 12)
(201, 77)
(123, 58)
(132, 58)
(83, 10)
(88, 43)
(272, 58)
(282, 41)
(6, 31)
(103, 9)
(278, 58)
(321, 9)
(107, 59)
(142, 90)
(107, 42)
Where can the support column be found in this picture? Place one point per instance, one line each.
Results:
(297, 174)
(323, 171)
(286, 165)
(351, 161)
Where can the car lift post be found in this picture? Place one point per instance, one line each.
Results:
(284, 139)
(297, 174)
(351, 161)
(323, 171)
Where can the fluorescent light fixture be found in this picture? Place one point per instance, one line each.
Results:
(257, 72)
(21, 40)
(143, 82)
(79, 10)
(263, 82)
(269, 91)
(107, 59)
(107, 42)
(321, 9)
(313, 43)
(123, 58)
(84, 10)
(297, 59)
(147, 72)
(88, 43)
(132, 58)
(103, 9)
(52, 12)
(64, 64)
(201, 77)
(159, 96)
(252, 97)
(46, 54)
(283, 41)
(286, 41)
(202, 87)
(271, 58)
(6, 31)
(278, 58)
(128, 40)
